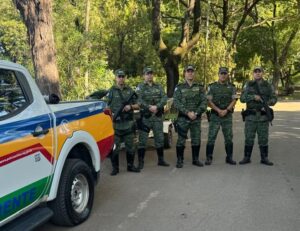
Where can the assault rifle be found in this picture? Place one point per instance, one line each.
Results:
(124, 103)
(269, 111)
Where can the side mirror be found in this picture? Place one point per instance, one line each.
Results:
(51, 99)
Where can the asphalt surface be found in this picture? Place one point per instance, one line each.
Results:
(212, 198)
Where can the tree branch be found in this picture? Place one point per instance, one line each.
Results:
(184, 3)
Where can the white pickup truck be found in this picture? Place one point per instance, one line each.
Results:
(50, 154)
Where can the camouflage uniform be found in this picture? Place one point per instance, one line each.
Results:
(222, 96)
(151, 95)
(187, 99)
(123, 126)
(256, 120)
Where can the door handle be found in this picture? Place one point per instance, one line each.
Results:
(40, 131)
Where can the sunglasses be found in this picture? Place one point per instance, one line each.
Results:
(223, 73)
(189, 70)
(257, 71)
(149, 73)
(121, 76)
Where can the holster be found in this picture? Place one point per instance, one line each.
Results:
(141, 126)
(179, 130)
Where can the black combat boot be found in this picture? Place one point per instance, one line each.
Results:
(115, 164)
(130, 165)
(209, 154)
(160, 155)
(141, 156)
(195, 155)
(229, 150)
(247, 155)
(264, 150)
(179, 153)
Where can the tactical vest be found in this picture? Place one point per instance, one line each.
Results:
(265, 90)
(116, 97)
(191, 95)
(222, 94)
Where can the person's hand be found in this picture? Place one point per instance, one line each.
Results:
(257, 98)
(153, 109)
(222, 113)
(127, 108)
(192, 115)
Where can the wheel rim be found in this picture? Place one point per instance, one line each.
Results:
(80, 193)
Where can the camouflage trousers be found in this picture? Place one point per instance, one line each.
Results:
(126, 136)
(184, 125)
(156, 124)
(259, 127)
(214, 126)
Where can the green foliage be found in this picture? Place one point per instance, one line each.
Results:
(13, 38)
(119, 36)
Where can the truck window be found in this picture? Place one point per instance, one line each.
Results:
(12, 96)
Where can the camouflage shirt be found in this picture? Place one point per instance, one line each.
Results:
(151, 95)
(116, 96)
(251, 89)
(221, 94)
(190, 98)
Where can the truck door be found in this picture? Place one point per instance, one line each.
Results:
(26, 144)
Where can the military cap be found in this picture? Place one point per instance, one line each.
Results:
(223, 69)
(258, 68)
(189, 67)
(119, 72)
(147, 70)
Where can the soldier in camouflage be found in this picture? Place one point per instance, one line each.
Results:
(151, 100)
(221, 98)
(255, 92)
(190, 101)
(123, 125)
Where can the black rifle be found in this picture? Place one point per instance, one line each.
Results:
(160, 110)
(208, 115)
(124, 103)
(269, 111)
(141, 126)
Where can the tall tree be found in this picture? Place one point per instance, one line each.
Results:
(37, 16)
(171, 56)
(280, 57)
(230, 18)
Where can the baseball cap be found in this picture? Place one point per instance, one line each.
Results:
(258, 68)
(223, 69)
(119, 72)
(147, 70)
(189, 67)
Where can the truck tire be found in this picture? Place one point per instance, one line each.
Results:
(168, 139)
(75, 195)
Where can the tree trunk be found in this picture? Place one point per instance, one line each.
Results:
(86, 30)
(172, 71)
(170, 57)
(37, 16)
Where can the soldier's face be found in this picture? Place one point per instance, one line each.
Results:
(120, 79)
(223, 76)
(257, 74)
(148, 77)
(189, 74)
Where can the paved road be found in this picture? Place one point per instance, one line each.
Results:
(216, 197)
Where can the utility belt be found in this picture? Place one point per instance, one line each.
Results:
(248, 112)
(255, 111)
(216, 113)
(147, 115)
(122, 120)
(181, 115)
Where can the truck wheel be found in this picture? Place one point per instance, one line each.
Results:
(168, 139)
(75, 195)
